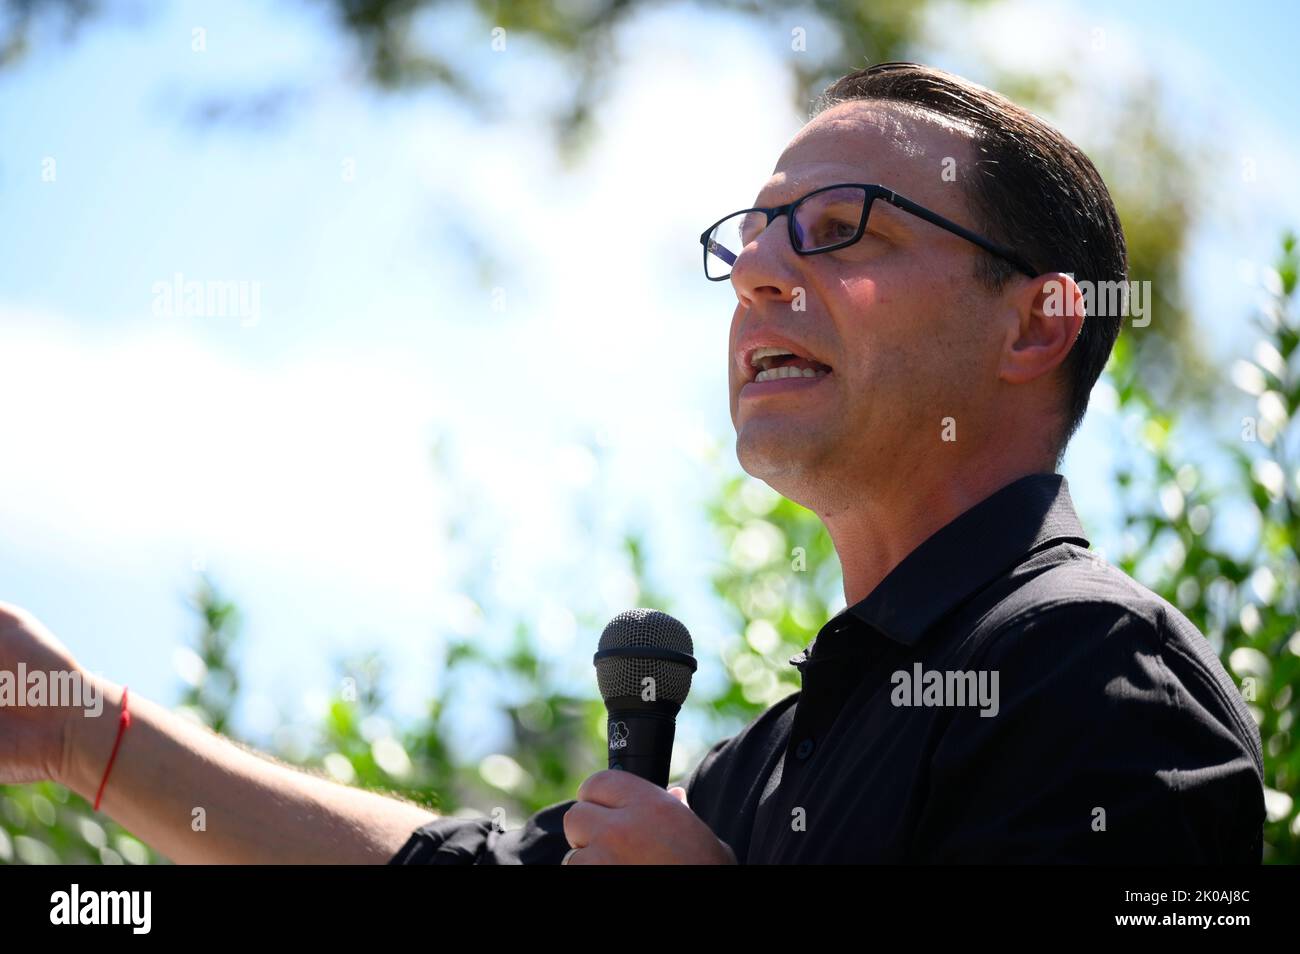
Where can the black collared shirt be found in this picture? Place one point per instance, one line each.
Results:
(1003, 695)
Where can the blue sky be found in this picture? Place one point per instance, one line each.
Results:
(290, 453)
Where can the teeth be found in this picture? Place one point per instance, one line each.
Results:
(776, 374)
(761, 353)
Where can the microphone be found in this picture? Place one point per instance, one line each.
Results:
(643, 665)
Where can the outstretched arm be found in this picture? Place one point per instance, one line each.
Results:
(171, 777)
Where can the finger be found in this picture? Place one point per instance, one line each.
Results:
(590, 855)
(678, 792)
(584, 822)
(614, 788)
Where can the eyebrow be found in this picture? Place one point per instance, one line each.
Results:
(794, 189)
(894, 216)
(760, 204)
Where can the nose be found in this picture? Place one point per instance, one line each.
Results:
(766, 269)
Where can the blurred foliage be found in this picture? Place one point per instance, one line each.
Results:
(781, 581)
(1247, 603)
(390, 38)
(208, 668)
(19, 19)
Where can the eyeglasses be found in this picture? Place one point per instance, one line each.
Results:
(825, 219)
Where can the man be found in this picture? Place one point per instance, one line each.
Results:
(901, 364)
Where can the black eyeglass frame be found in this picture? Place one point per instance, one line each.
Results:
(873, 192)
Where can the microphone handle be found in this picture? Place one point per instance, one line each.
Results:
(641, 740)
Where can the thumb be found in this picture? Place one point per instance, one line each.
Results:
(679, 792)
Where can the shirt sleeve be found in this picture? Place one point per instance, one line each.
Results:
(1117, 740)
(477, 841)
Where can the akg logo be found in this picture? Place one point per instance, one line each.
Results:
(618, 735)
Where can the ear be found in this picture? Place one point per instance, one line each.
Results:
(1049, 315)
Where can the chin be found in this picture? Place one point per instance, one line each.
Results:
(778, 463)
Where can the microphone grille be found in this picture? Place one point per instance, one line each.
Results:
(624, 675)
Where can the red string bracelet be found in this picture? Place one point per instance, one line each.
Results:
(123, 721)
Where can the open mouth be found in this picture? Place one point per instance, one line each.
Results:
(774, 364)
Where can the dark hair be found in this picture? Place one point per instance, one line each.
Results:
(1030, 189)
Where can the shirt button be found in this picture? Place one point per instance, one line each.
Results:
(804, 750)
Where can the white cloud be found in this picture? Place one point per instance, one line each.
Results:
(154, 439)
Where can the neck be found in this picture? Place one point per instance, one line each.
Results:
(884, 522)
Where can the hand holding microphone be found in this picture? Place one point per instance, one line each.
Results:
(623, 814)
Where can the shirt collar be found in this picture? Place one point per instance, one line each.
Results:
(983, 543)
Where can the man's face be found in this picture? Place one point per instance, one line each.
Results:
(898, 317)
